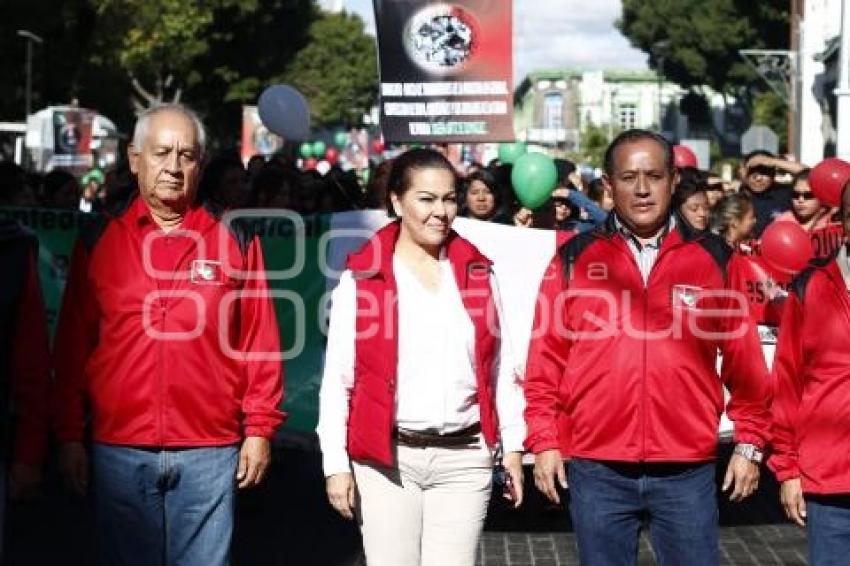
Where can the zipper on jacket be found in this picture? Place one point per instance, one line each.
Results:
(161, 379)
(643, 373)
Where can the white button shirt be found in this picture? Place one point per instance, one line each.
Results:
(436, 385)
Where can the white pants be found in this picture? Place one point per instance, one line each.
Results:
(428, 512)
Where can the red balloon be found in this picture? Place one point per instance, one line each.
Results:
(310, 164)
(378, 146)
(786, 247)
(684, 157)
(332, 155)
(828, 179)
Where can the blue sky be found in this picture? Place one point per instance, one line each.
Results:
(556, 33)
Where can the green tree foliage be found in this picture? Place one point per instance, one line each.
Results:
(594, 141)
(215, 55)
(337, 70)
(699, 40)
(769, 110)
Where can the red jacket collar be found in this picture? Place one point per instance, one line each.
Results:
(137, 214)
(376, 255)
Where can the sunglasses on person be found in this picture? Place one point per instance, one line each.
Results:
(805, 195)
(715, 187)
(560, 201)
(762, 170)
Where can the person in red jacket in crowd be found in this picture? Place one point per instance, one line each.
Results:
(733, 219)
(811, 445)
(168, 336)
(418, 389)
(814, 217)
(24, 367)
(621, 378)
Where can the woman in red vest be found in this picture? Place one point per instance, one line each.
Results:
(418, 389)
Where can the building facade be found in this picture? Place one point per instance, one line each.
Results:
(816, 79)
(554, 107)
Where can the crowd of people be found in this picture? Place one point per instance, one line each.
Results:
(170, 416)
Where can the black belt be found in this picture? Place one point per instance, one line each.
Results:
(418, 439)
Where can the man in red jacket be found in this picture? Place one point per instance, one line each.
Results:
(168, 337)
(811, 420)
(621, 377)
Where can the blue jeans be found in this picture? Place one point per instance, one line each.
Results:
(156, 507)
(609, 502)
(828, 528)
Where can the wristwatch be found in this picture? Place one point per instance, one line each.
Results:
(749, 451)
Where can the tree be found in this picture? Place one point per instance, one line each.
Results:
(695, 43)
(336, 71)
(770, 110)
(594, 142)
(117, 56)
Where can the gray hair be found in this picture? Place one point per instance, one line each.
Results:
(142, 123)
(728, 209)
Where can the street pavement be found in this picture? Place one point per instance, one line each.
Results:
(287, 522)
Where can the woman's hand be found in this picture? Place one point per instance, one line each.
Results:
(524, 218)
(341, 493)
(512, 461)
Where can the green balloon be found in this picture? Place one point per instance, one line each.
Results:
(510, 152)
(306, 150)
(319, 149)
(340, 139)
(534, 177)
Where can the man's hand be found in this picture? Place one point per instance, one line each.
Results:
(548, 465)
(254, 460)
(24, 481)
(341, 493)
(74, 466)
(744, 475)
(512, 461)
(791, 496)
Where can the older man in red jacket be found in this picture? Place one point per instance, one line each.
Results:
(812, 404)
(168, 337)
(621, 377)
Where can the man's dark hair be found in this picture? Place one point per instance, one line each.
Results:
(636, 135)
(752, 154)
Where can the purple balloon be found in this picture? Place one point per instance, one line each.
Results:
(284, 111)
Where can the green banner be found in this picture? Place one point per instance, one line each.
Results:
(300, 311)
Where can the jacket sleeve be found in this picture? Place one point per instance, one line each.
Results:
(75, 341)
(788, 380)
(547, 359)
(338, 377)
(597, 215)
(744, 371)
(259, 343)
(31, 372)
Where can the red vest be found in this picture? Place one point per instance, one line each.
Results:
(372, 410)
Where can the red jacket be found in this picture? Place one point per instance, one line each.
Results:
(621, 371)
(175, 358)
(812, 375)
(24, 354)
(372, 415)
(763, 286)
